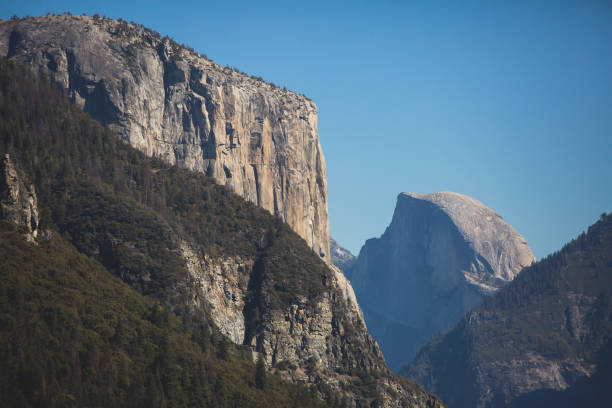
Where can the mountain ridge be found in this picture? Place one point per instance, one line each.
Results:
(544, 339)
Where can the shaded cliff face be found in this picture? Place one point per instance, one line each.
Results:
(441, 254)
(544, 340)
(171, 103)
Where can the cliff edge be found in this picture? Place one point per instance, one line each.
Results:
(173, 103)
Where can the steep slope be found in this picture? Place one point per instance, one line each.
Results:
(341, 257)
(544, 340)
(202, 251)
(172, 103)
(73, 335)
(441, 254)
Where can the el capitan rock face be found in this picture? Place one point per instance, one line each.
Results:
(441, 254)
(172, 103)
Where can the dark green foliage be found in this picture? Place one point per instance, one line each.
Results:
(73, 335)
(582, 267)
(533, 314)
(260, 373)
(124, 209)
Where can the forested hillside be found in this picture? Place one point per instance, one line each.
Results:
(544, 340)
(136, 218)
(71, 334)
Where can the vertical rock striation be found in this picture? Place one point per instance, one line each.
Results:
(18, 202)
(172, 103)
(441, 254)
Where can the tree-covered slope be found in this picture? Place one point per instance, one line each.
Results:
(192, 246)
(71, 334)
(544, 340)
(121, 206)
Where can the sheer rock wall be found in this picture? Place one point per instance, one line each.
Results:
(172, 103)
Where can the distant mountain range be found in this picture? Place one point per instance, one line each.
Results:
(164, 242)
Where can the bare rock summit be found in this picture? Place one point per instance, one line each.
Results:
(441, 254)
(501, 251)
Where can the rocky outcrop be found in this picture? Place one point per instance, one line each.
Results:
(316, 339)
(342, 258)
(543, 340)
(18, 202)
(172, 103)
(296, 334)
(326, 342)
(441, 254)
(223, 284)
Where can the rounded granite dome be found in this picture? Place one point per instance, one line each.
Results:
(486, 232)
(441, 254)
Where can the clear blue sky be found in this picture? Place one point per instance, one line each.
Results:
(508, 102)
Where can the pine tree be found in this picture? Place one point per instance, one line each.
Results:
(222, 349)
(260, 373)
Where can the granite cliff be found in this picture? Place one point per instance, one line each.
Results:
(544, 340)
(196, 249)
(18, 201)
(172, 103)
(441, 255)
